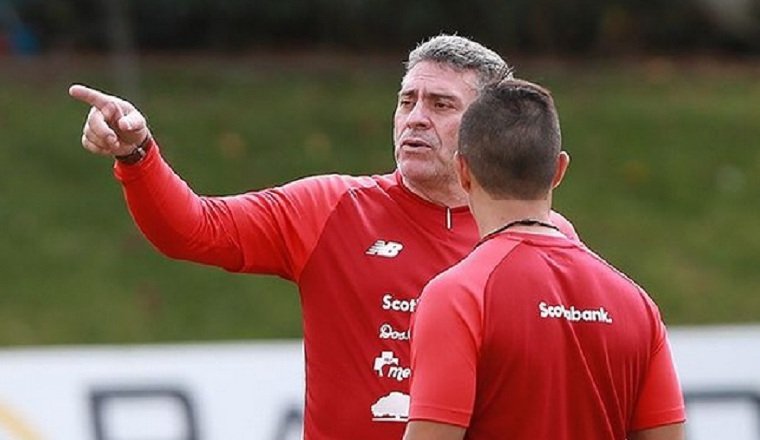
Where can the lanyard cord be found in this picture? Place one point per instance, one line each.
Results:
(521, 222)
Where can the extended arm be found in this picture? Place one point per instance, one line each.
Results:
(177, 221)
(271, 231)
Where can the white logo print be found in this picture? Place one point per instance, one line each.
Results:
(399, 305)
(388, 358)
(385, 358)
(387, 249)
(388, 332)
(574, 315)
(391, 408)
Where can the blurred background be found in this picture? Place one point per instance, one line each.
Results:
(658, 102)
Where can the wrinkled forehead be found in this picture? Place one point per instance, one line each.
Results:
(439, 78)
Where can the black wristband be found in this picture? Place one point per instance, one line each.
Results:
(137, 154)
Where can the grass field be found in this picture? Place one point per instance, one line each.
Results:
(664, 183)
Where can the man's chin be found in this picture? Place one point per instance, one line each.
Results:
(415, 168)
(419, 172)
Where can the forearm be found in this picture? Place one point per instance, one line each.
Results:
(173, 218)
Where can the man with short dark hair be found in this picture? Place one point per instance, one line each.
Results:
(532, 336)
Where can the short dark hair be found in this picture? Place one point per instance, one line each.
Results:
(510, 137)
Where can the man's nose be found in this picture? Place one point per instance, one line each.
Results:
(418, 117)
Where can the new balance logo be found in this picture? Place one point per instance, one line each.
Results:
(387, 249)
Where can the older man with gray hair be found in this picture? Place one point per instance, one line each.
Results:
(359, 248)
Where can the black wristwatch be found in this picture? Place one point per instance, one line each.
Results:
(137, 154)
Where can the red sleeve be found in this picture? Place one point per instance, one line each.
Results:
(660, 400)
(446, 338)
(272, 231)
(563, 224)
(278, 228)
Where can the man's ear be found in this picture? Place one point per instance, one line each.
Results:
(463, 172)
(563, 161)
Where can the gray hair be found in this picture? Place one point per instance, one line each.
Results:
(461, 54)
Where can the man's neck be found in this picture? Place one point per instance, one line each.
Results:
(491, 215)
(448, 194)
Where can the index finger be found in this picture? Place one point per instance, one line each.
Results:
(90, 96)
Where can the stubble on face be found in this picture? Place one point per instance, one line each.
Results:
(431, 102)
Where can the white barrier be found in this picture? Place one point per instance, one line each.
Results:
(178, 392)
(255, 390)
(719, 368)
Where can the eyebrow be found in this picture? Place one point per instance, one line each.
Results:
(434, 96)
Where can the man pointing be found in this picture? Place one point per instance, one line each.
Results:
(359, 248)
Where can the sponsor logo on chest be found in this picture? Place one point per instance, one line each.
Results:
(388, 332)
(394, 370)
(393, 407)
(399, 305)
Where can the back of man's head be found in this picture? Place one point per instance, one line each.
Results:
(461, 54)
(510, 138)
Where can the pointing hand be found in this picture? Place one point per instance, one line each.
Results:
(113, 126)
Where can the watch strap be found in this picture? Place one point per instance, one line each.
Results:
(137, 154)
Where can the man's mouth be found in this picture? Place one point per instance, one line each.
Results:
(415, 143)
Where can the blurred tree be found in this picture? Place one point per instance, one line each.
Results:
(544, 26)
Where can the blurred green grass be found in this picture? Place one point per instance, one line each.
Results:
(663, 183)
